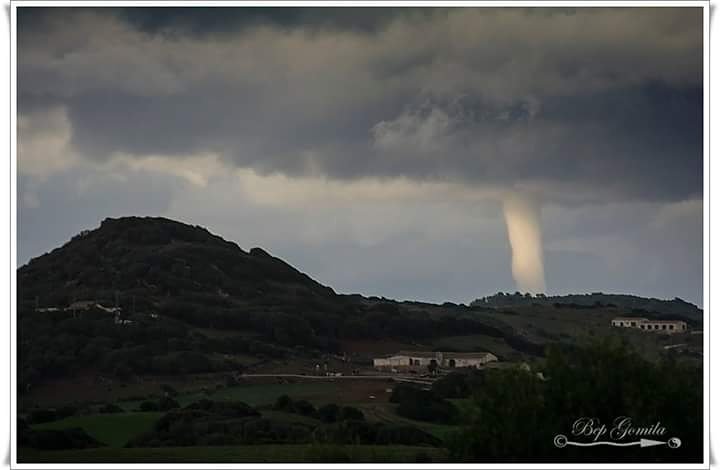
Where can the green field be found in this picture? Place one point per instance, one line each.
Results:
(231, 454)
(385, 413)
(259, 394)
(113, 429)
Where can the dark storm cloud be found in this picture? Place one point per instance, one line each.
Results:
(220, 20)
(227, 20)
(583, 105)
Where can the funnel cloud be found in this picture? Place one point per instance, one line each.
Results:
(522, 217)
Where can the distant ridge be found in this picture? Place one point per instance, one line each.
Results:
(626, 302)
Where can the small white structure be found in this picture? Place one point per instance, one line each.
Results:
(108, 309)
(628, 322)
(467, 359)
(47, 309)
(405, 360)
(657, 326)
(120, 321)
(82, 305)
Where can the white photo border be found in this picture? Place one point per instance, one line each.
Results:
(707, 255)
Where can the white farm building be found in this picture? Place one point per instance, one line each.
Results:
(658, 326)
(422, 359)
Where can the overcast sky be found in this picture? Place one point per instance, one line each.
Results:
(373, 148)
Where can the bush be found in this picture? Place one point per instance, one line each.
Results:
(169, 391)
(110, 408)
(453, 385)
(167, 403)
(346, 432)
(149, 406)
(304, 407)
(329, 413)
(350, 413)
(283, 403)
(228, 409)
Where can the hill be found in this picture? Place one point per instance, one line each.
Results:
(146, 295)
(151, 295)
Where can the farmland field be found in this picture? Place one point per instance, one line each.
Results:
(261, 394)
(113, 429)
(232, 454)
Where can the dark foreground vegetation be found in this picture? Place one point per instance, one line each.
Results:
(490, 415)
(515, 415)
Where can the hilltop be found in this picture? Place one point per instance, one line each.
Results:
(156, 257)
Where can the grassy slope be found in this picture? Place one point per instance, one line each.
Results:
(113, 429)
(230, 454)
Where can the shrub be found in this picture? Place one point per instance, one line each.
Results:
(169, 390)
(329, 413)
(283, 403)
(228, 409)
(350, 413)
(304, 407)
(149, 406)
(110, 408)
(453, 385)
(346, 432)
(167, 403)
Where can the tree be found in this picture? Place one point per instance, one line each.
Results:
(329, 413)
(514, 414)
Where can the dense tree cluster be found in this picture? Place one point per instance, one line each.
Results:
(516, 414)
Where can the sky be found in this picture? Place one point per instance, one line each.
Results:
(434, 154)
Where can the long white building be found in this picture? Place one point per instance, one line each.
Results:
(422, 359)
(656, 326)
